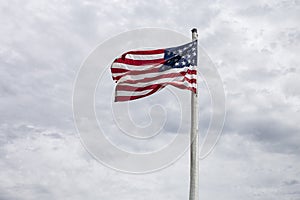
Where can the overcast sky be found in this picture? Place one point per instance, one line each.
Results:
(255, 46)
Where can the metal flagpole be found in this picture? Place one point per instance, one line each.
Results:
(194, 162)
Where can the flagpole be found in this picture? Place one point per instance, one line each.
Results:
(194, 162)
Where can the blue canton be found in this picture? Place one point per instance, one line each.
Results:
(181, 56)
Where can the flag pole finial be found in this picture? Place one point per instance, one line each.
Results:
(194, 34)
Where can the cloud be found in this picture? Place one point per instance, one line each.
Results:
(255, 47)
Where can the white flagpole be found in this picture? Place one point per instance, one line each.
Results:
(194, 162)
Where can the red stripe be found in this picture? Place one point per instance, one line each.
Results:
(144, 52)
(118, 70)
(138, 89)
(192, 71)
(139, 62)
(136, 72)
(145, 80)
(182, 86)
(116, 78)
(190, 80)
(128, 98)
(139, 72)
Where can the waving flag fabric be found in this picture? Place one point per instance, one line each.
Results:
(143, 72)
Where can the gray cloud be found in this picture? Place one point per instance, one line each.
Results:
(254, 45)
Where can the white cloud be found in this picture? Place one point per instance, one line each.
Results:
(255, 46)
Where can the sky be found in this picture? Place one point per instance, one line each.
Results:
(254, 46)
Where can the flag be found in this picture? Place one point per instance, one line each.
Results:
(143, 72)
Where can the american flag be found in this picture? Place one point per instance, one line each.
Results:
(143, 72)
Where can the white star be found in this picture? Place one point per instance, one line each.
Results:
(183, 63)
(194, 54)
(176, 64)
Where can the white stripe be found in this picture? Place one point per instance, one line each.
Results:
(159, 81)
(134, 67)
(118, 74)
(145, 57)
(191, 76)
(114, 75)
(194, 85)
(150, 75)
(187, 84)
(146, 75)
